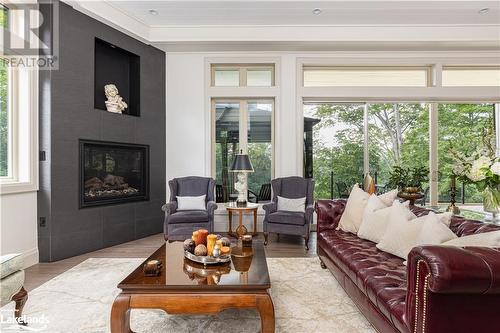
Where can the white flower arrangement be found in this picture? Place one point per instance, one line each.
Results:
(481, 168)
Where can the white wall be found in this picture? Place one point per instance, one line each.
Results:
(18, 227)
(186, 132)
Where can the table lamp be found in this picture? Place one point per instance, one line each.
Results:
(242, 166)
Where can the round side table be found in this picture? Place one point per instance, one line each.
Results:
(242, 230)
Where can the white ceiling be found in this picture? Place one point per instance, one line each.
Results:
(236, 12)
(341, 21)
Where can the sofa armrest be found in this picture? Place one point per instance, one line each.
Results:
(211, 207)
(464, 281)
(451, 269)
(169, 208)
(329, 213)
(270, 207)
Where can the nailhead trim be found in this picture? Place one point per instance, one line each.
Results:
(426, 284)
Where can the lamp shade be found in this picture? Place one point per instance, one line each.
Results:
(242, 163)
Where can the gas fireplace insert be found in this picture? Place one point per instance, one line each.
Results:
(113, 173)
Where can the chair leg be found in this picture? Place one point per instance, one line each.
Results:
(306, 238)
(266, 235)
(20, 298)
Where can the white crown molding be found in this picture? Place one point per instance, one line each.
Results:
(442, 33)
(108, 13)
(105, 12)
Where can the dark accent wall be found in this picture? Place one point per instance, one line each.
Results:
(67, 114)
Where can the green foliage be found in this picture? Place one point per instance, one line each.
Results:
(397, 137)
(4, 120)
(401, 177)
(462, 126)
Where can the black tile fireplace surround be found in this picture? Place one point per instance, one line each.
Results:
(112, 173)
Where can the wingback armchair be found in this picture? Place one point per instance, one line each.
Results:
(285, 222)
(180, 225)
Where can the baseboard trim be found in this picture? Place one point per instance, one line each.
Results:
(31, 257)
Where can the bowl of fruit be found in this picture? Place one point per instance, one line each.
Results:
(207, 249)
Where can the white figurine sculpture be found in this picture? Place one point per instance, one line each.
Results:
(241, 187)
(115, 102)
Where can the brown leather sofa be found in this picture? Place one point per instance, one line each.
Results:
(443, 288)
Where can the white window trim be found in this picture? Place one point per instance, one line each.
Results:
(237, 93)
(24, 133)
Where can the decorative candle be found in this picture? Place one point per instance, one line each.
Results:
(453, 181)
(201, 237)
(195, 237)
(246, 240)
(211, 239)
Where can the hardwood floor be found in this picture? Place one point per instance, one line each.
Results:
(36, 275)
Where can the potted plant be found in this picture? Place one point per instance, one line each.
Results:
(409, 181)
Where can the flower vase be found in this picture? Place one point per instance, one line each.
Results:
(491, 203)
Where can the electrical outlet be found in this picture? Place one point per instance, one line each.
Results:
(43, 222)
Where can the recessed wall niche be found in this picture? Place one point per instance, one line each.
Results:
(114, 65)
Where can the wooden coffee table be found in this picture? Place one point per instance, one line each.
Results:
(185, 287)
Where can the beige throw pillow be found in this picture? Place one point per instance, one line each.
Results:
(486, 239)
(405, 233)
(434, 231)
(354, 210)
(388, 197)
(376, 219)
(402, 232)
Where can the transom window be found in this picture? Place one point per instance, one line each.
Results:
(366, 76)
(255, 75)
(462, 76)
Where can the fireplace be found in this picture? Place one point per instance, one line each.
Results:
(113, 173)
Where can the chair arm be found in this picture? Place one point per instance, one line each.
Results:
(169, 208)
(211, 207)
(329, 213)
(462, 282)
(270, 207)
(309, 213)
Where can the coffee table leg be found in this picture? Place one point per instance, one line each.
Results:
(230, 215)
(120, 315)
(266, 310)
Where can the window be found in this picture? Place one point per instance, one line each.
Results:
(18, 123)
(456, 76)
(398, 134)
(5, 117)
(242, 125)
(366, 76)
(256, 75)
(461, 126)
(259, 124)
(5, 128)
(334, 156)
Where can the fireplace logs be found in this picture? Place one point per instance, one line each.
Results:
(111, 185)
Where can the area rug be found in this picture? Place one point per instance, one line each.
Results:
(306, 299)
